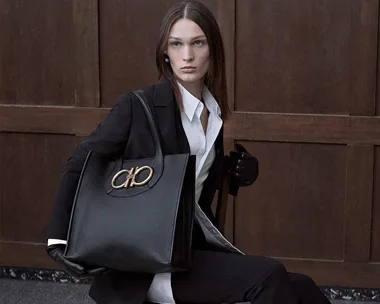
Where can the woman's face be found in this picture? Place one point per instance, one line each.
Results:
(188, 51)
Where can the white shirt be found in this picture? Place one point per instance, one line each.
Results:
(203, 146)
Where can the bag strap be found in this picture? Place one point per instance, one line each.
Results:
(158, 161)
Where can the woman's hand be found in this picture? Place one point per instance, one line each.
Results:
(243, 167)
(56, 253)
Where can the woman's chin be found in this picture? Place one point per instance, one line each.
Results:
(189, 78)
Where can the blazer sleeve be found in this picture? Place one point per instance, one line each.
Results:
(234, 188)
(108, 139)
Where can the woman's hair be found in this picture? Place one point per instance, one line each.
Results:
(215, 78)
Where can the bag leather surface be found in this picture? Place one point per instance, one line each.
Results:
(144, 227)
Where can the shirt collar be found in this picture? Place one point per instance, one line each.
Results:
(190, 103)
(210, 102)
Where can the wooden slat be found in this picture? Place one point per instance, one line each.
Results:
(364, 31)
(377, 95)
(346, 274)
(85, 17)
(2, 168)
(230, 218)
(60, 120)
(375, 241)
(304, 128)
(225, 15)
(227, 22)
(228, 231)
(31, 255)
(241, 126)
(360, 160)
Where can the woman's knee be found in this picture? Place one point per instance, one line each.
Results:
(275, 267)
(301, 280)
(306, 290)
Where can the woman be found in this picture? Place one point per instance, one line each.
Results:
(189, 101)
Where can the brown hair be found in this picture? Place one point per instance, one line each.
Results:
(215, 78)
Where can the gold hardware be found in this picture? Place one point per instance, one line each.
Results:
(130, 180)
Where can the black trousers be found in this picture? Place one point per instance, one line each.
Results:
(218, 277)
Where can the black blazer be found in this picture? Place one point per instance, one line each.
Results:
(126, 130)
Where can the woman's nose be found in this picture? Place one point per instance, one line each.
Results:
(188, 54)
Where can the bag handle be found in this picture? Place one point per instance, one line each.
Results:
(158, 162)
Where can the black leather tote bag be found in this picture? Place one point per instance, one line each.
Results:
(134, 215)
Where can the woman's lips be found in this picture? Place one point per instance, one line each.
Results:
(188, 69)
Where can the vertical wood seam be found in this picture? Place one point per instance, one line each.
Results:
(372, 203)
(98, 47)
(375, 109)
(359, 203)
(233, 85)
(86, 27)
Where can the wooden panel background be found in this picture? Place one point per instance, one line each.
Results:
(375, 245)
(306, 56)
(303, 82)
(49, 53)
(287, 203)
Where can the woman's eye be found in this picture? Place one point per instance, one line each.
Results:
(175, 43)
(198, 43)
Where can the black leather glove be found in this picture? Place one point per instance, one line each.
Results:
(56, 253)
(243, 167)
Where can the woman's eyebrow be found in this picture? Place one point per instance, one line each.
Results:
(193, 38)
(199, 37)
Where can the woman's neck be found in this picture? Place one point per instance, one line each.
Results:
(194, 88)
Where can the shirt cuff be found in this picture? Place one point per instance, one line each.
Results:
(56, 241)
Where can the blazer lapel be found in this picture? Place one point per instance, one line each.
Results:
(169, 119)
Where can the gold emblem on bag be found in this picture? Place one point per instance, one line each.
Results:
(130, 180)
